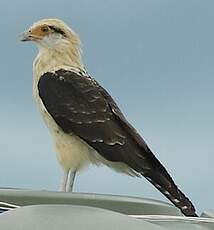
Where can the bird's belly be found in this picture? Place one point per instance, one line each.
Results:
(72, 152)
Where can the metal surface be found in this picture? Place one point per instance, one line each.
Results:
(67, 217)
(122, 204)
(42, 210)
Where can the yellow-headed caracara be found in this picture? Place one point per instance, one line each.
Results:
(85, 122)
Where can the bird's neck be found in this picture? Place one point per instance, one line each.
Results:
(61, 56)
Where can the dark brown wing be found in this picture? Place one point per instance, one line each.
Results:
(79, 105)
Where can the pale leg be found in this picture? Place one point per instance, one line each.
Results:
(62, 187)
(70, 180)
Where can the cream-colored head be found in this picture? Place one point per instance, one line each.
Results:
(58, 44)
(48, 33)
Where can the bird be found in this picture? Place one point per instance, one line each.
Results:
(86, 124)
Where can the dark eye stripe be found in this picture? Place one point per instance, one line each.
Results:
(57, 30)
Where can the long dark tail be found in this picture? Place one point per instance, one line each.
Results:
(137, 155)
(161, 179)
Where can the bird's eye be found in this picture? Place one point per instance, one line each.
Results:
(44, 29)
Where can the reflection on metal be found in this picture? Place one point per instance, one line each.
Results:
(163, 218)
(4, 206)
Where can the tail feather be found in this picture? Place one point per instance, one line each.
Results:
(168, 188)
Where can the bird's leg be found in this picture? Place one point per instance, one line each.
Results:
(62, 187)
(70, 180)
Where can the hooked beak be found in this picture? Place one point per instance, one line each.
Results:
(29, 36)
(26, 36)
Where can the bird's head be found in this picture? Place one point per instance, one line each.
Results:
(58, 44)
(49, 33)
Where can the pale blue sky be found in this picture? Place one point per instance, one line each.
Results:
(156, 57)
